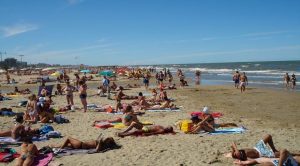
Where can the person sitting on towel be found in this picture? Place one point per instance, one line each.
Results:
(211, 120)
(200, 125)
(28, 152)
(130, 119)
(148, 130)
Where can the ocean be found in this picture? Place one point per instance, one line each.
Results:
(260, 74)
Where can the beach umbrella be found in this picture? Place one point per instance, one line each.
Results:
(108, 73)
(85, 71)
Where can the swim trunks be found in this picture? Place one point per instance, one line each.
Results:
(82, 96)
(242, 84)
(290, 161)
(263, 150)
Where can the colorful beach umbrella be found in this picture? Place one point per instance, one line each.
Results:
(108, 73)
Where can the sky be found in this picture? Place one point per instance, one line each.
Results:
(138, 32)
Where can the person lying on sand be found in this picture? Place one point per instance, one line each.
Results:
(210, 119)
(285, 159)
(28, 152)
(132, 86)
(141, 101)
(164, 105)
(260, 150)
(19, 132)
(148, 130)
(100, 144)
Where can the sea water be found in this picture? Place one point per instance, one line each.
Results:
(260, 74)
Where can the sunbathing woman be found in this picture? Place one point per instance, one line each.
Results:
(285, 159)
(141, 102)
(28, 152)
(31, 112)
(210, 119)
(19, 132)
(148, 130)
(100, 144)
(164, 105)
(69, 89)
(83, 94)
(130, 119)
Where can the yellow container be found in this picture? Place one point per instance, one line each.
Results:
(186, 125)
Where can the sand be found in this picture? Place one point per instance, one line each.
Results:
(262, 111)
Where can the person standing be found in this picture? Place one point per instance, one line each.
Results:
(287, 80)
(293, 80)
(105, 83)
(69, 89)
(146, 80)
(197, 74)
(83, 94)
(243, 82)
(236, 79)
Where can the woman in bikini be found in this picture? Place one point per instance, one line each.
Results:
(31, 112)
(100, 144)
(130, 119)
(211, 120)
(83, 94)
(28, 152)
(69, 89)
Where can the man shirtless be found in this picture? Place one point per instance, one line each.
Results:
(287, 80)
(260, 150)
(148, 130)
(236, 79)
(243, 82)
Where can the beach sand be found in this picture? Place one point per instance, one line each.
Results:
(261, 111)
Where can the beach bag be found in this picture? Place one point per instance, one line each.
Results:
(185, 125)
(46, 129)
(60, 119)
(53, 134)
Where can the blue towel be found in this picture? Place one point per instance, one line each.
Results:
(236, 130)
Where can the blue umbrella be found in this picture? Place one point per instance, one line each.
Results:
(85, 71)
(108, 73)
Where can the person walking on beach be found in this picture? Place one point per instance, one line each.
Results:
(83, 94)
(105, 83)
(243, 82)
(236, 79)
(146, 80)
(293, 80)
(287, 80)
(197, 77)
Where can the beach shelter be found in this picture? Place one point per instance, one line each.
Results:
(108, 73)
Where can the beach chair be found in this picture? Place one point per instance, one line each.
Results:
(49, 89)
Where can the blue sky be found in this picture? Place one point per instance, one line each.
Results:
(130, 32)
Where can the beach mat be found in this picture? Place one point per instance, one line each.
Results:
(165, 110)
(222, 131)
(69, 152)
(9, 140)
(117, 125)
(8, 154)
(43, 159)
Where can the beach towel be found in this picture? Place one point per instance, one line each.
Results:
(235, 130)
(117, 125)
(8, 154)
(49, 89)
(9, 140)
(68, 151)
(214, 114)
(7, 113)
(165, 110)
(43, 159)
